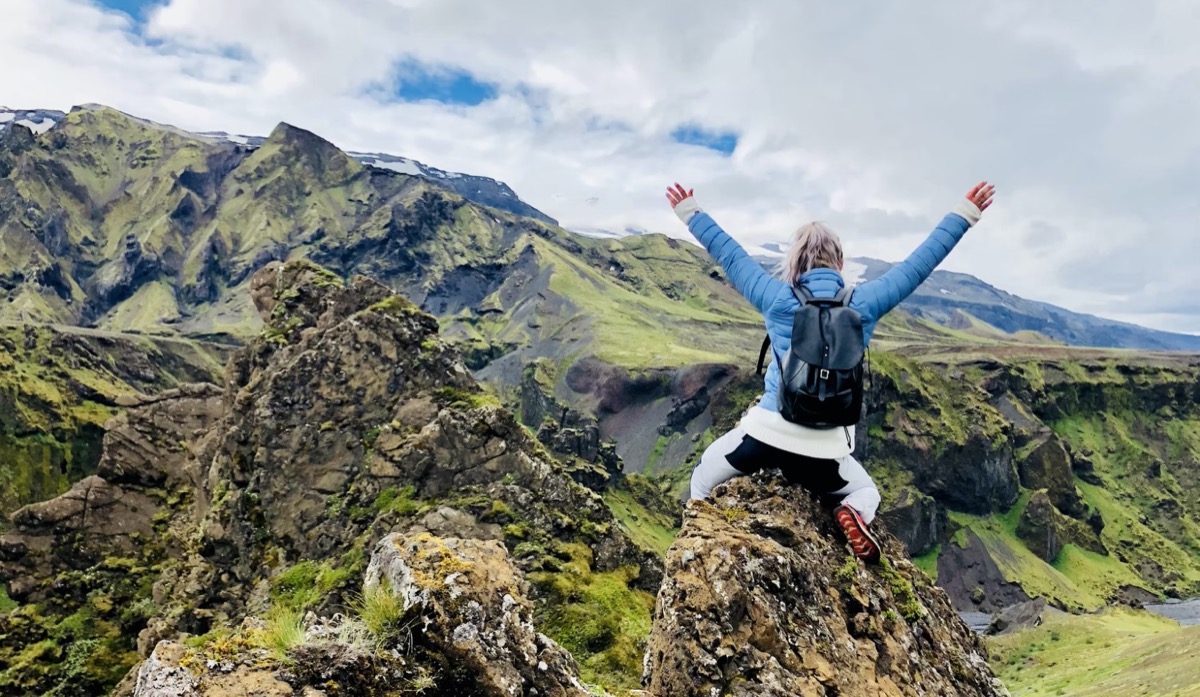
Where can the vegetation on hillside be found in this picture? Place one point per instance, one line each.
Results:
(1118, 652)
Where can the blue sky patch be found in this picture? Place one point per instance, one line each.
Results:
(418, 82)
(723, 142)
(138, 9)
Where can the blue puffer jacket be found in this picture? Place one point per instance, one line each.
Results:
(774, 298)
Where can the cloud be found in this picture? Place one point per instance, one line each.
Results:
(874, 119)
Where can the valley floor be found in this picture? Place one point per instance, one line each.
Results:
(1116, 653)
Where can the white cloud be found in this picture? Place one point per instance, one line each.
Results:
(876, 119)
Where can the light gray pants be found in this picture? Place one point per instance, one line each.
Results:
(859, 493)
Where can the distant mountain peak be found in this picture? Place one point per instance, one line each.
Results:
(483, 190)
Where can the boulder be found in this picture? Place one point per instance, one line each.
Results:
(916, 520)
(762, 597)
(470, 604)
(1020, 616)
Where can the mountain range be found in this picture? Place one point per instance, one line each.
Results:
(953, 300)
(962, 301)
(1012, 466)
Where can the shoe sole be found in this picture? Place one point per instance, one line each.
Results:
(853, 526)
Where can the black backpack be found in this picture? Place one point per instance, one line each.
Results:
(821, 377)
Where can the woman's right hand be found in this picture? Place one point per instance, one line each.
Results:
(981, 195)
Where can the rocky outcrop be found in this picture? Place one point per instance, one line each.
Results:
(113, 513)
(591, 462)
(762, 597)
(451, 617)
(1047, 466)
(346, 421)
(60, 387)
(575, 437)
(1045, 530)
(917, 520)
(1020, 616)
(469, 604)
(970, 576)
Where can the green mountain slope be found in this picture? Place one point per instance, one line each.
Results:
(134, 226)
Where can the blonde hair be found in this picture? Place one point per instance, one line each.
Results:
(814, 246)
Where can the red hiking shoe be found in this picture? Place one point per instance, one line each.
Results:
(864, 544)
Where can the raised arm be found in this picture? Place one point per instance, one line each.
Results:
(746, 275)
(886, 292)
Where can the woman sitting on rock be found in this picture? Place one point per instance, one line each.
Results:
(817, 458)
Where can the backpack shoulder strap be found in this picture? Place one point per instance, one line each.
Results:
(762, 354)
(803, 294)
(843, 296)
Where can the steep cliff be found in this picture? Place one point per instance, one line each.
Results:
(58, 387)
(1042, 472)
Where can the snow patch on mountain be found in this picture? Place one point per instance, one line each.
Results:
(400, 165)
(599, 233)
(37, 120)
(38, 127)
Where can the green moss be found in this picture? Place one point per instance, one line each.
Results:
(81, 647)
(848, 572)
(7, 604)
(520, 530)
(394, 305)
(464, 398)
(928, 562)
(306, 584)
(498, 512)
(597, 617)
(902, 592)
(651, 528)
(735, 513)
(398, 500)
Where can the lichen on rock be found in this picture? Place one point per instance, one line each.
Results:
(469, 604)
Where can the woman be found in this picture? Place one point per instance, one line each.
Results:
(818, 459)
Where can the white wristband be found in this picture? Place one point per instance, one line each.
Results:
(686, 208)
(967, 209)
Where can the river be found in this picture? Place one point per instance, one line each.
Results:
(1185, 612)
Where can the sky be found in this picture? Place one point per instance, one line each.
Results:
(874, 117)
